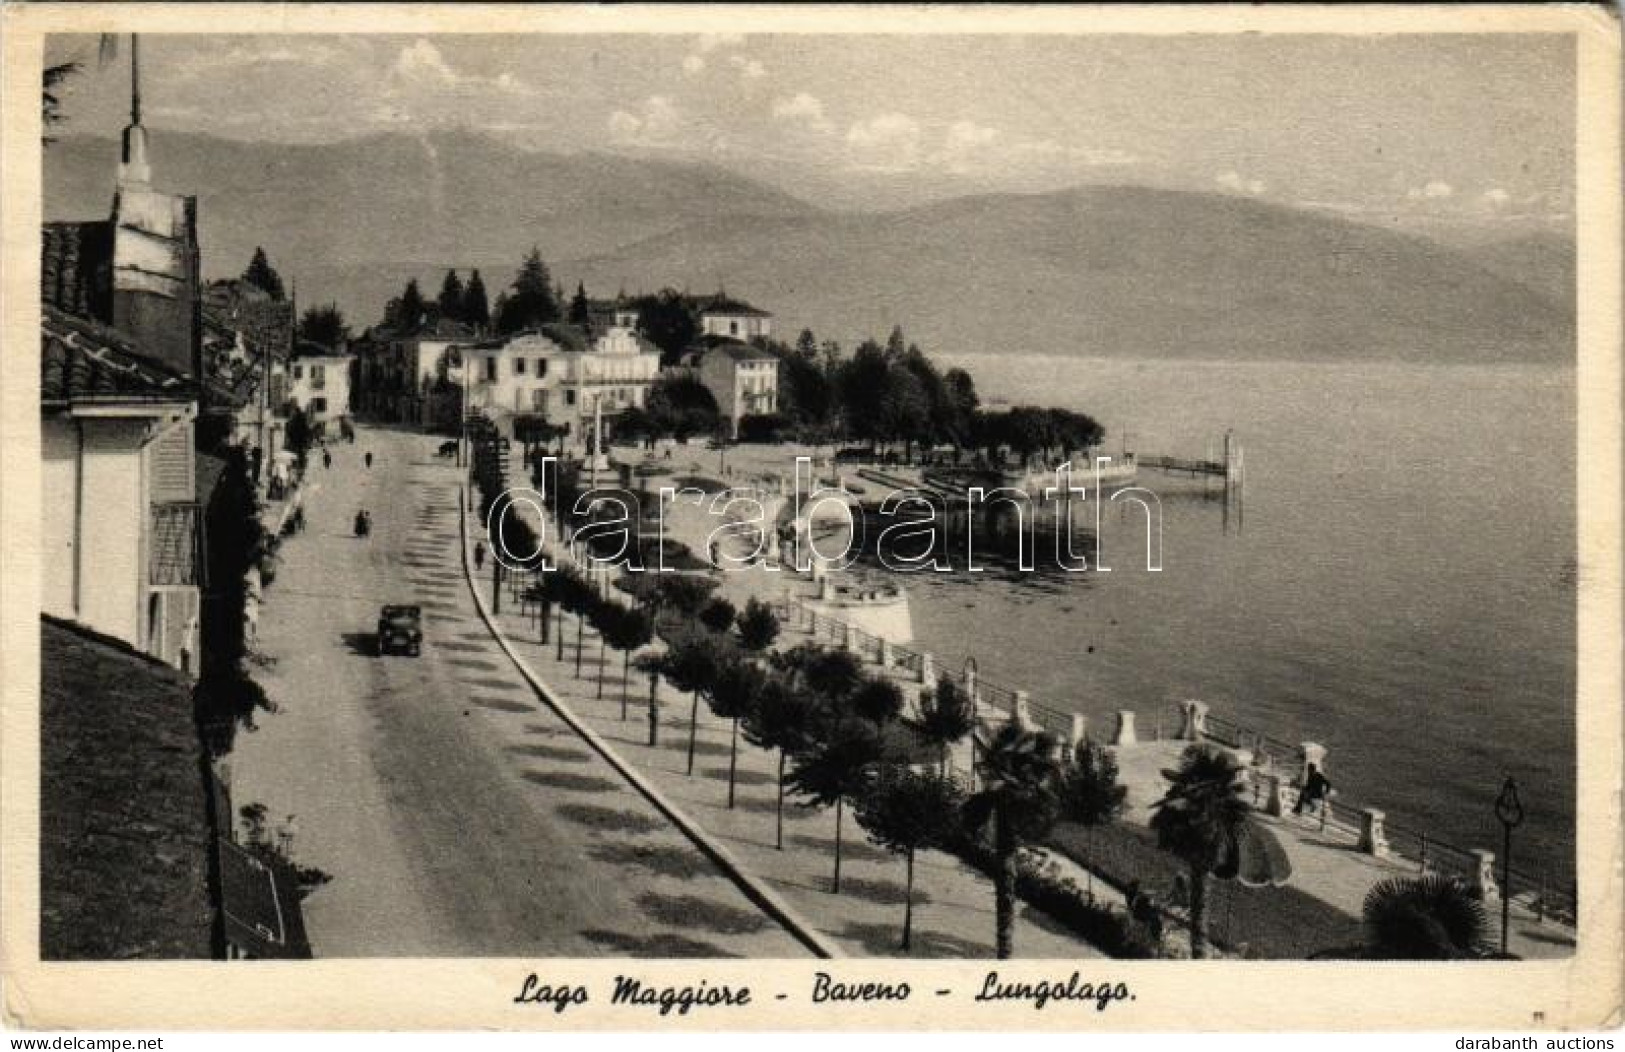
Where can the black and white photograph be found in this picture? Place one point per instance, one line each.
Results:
(855, 494)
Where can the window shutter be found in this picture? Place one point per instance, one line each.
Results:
(172, 466)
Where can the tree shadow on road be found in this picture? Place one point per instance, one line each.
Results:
(852, 850)
(692, 911)
(662, 860)
(363, 644)
(884, 892)
(608, 819)
(499, 704)
(885, 940)
(741, 777)
(550, 752)
(571, 781)
(661, 945)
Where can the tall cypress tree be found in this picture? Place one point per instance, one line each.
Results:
(451, 297)
(410, 311)
(532, 302)
(476, 311)
(580, 314)
(260, 273)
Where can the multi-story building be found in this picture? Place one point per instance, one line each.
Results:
(398, 371)
(743, 379)
(121, 519)
(319, 384)
(735, 319)
(561, 373)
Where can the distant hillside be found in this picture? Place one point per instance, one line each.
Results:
(1543, 262)
(399, 198)
(1112, 271)
(1103, 271)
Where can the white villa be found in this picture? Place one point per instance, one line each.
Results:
(319, 383)
(561, 372)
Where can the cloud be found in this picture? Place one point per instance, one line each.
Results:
(422, 63)
(1495, 199)
(748, 68)
(693, 65)
(804, 107)
(710, 42)
(1436, 190)
(889, 142)
(657, 122)
(965, 144)
(1238, 183)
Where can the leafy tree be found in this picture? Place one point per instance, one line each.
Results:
(51, 103)
(684, 593)
(904, 811)
(452, 295)
(668, 320)
(680, 405)
(877, 700)
(1206, 821)
(788, 720)
(1427, 918)
(475, 309)
(733, 695)
(691, 665)
(947, 714)
(758, 625)
(1090, 792)
(718, 615)
(627, 630)
(830, 674)
(296, 435)
(532, 302)
(260, 273)
(836, 769)
(324, 325)
(580, 310)
(1019, 776)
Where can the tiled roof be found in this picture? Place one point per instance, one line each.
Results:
(721, 304)
(81, 361)
(570, 337)
(76, 268)
(124, 822)
(735, 349)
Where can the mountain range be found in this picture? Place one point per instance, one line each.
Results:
(1100, 271)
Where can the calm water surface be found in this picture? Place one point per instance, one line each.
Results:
(1398, 587)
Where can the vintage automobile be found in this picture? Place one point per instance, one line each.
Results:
(400, 628)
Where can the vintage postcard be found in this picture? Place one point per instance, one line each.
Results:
(617, 518)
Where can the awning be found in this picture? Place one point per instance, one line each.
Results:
(260, 902)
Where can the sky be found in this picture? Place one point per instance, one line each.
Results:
(1470, 130)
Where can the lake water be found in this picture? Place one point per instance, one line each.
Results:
(1399, 585)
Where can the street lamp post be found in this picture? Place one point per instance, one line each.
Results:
(1509, 811)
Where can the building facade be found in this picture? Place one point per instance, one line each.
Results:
(743, 380)
(561, 373)
(734, 319)
(319, 384)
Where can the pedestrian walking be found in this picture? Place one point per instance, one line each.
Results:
(479, 555)
(368, 459)
(1316, 788)
(327, 459)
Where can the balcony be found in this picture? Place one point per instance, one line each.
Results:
(175, 557)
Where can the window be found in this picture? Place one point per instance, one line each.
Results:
(570, 397)
(519, 367)
(298, 372)
(491, 370)
(733, 328)
(541, 367)
(318, 405)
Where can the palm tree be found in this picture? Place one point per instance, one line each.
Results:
(733, 695)
(787, 719)
(1019, 778)
(905, 810)
(946, 716)
(835, 769)
(1205, 819)
(1427, 918)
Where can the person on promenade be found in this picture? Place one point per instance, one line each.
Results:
(368, 459)
(327, 459)
(1315, 789)
(479, 555)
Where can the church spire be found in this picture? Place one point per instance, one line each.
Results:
(133, 169)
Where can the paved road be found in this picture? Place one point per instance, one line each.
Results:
(456, 815)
